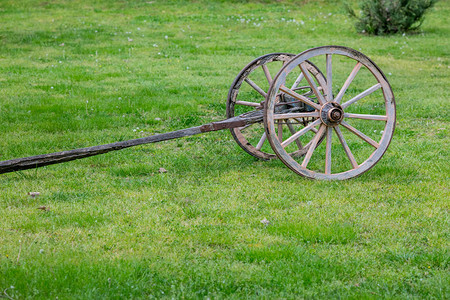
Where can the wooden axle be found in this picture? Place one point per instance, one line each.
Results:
(60, 157)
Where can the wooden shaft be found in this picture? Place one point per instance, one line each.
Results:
(60, 157)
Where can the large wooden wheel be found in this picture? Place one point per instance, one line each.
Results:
(248, 92)
(355, 112)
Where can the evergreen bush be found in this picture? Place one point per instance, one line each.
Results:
(380, 17)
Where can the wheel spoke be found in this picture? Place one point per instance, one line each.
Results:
(313, 114)
(366, 117)
(256, 87)
(261, 141)
(297, 96)
(297, 81)
(329, 79)
(300, 133)
(312, 84)
(360, 134)
(301, 121)
(267, 73)
(347, 82)
(328, 151)
(292, 130)
(362, 95)
(312, 147)
(346, 148)
(246, 103)
(280, 131)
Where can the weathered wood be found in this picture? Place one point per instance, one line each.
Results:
(314, 142)
(267, 73)
(328, 149)
(329, 78)
(347, 82)
(362, 95)
(302, 98)
(255, 87)
(347, 150)
(64, 156)
(251, 140)
(292, 130)
(312, 84)
(385, 100)
(246, 103)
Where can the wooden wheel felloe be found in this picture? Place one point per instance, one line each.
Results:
(248, 92)
(357, 119)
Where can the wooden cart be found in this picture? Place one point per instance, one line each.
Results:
(283, 106)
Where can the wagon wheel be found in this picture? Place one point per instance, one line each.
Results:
(363, 102)
(248, 92)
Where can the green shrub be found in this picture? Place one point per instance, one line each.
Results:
(390, 16)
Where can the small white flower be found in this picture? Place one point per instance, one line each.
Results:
(166, 37)
(155, 45)
(157, 119)
(130, 40)
(265, 222)
(139, 28)
(120, 98)
(389, 73)
(51, 87)
(41, 251)
(134, 130)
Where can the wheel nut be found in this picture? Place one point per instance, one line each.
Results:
(335, 115)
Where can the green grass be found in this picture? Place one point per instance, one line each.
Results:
(75, 74)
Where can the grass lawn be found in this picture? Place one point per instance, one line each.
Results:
(82, 73)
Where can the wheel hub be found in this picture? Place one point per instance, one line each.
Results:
(331, 114)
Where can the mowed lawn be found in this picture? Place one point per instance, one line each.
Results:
(82, 73)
